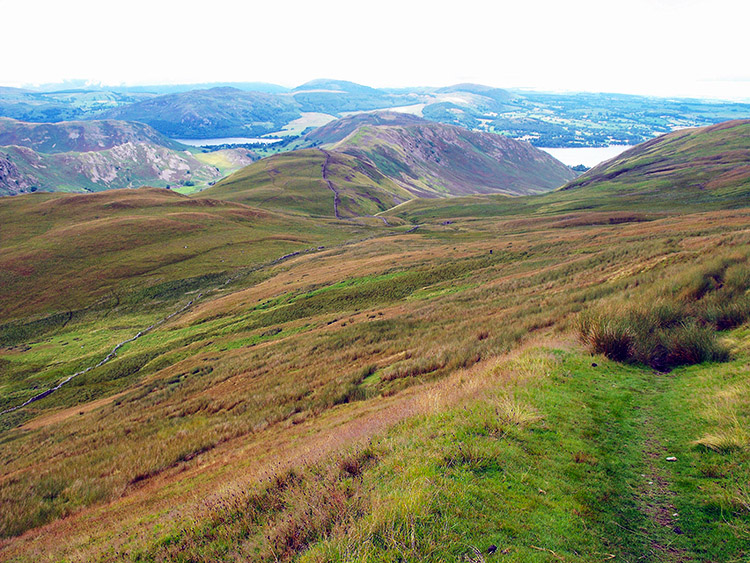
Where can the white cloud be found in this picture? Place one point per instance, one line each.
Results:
(668, 47)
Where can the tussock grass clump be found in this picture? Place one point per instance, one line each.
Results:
(680, 327)
(275, 521)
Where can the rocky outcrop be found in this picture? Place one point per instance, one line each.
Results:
(12, 180)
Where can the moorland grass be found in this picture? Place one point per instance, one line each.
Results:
(680, 325)
(282, 352)
(542, 458)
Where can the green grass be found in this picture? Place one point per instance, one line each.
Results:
(294, 181)
(552, 466)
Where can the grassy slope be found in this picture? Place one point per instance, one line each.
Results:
(381, 160)
(439, 160)
(708, 165)
(688, 170)
(294, 182)
(66, 252)
(219, 434)
(293, 361)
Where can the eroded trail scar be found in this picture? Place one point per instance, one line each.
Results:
(656, 497)
(336, 197)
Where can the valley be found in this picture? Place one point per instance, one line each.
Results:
(337, 361)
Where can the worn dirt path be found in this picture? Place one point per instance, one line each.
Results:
(655, 494)
(336, 197)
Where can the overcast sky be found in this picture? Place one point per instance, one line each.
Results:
(658, 47)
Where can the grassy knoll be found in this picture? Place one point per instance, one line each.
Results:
(294, 182)
(63, 253)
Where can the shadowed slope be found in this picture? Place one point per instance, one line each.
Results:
(436, 160)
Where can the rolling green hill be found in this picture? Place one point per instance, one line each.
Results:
(299, 181)
(707, 165)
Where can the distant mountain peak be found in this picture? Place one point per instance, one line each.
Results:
(336, 85)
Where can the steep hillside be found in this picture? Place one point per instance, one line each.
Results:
(215, 112)
(432, 159)
(709, 162)
(314, 182)
(129, 165)
(81, 156)
(79, 136)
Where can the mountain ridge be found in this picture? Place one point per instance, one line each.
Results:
(379, 160)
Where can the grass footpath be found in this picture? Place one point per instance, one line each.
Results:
(542, 469)
(570, 464)
(553, 456)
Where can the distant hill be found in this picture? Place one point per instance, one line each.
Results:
(337, 96)
(175, 88)
(79, 136)
(369, 163)
(61, 104)
(691, 170)
(215, 112)
(431, 159)
(336, 86)
(99, 155)
(297, 182)
(706, 165)
(250, 109)
(339, 129)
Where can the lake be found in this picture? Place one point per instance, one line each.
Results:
(226, 141)
(588, 156)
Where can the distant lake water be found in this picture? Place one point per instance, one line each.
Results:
(226, 141)
(588, 156)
